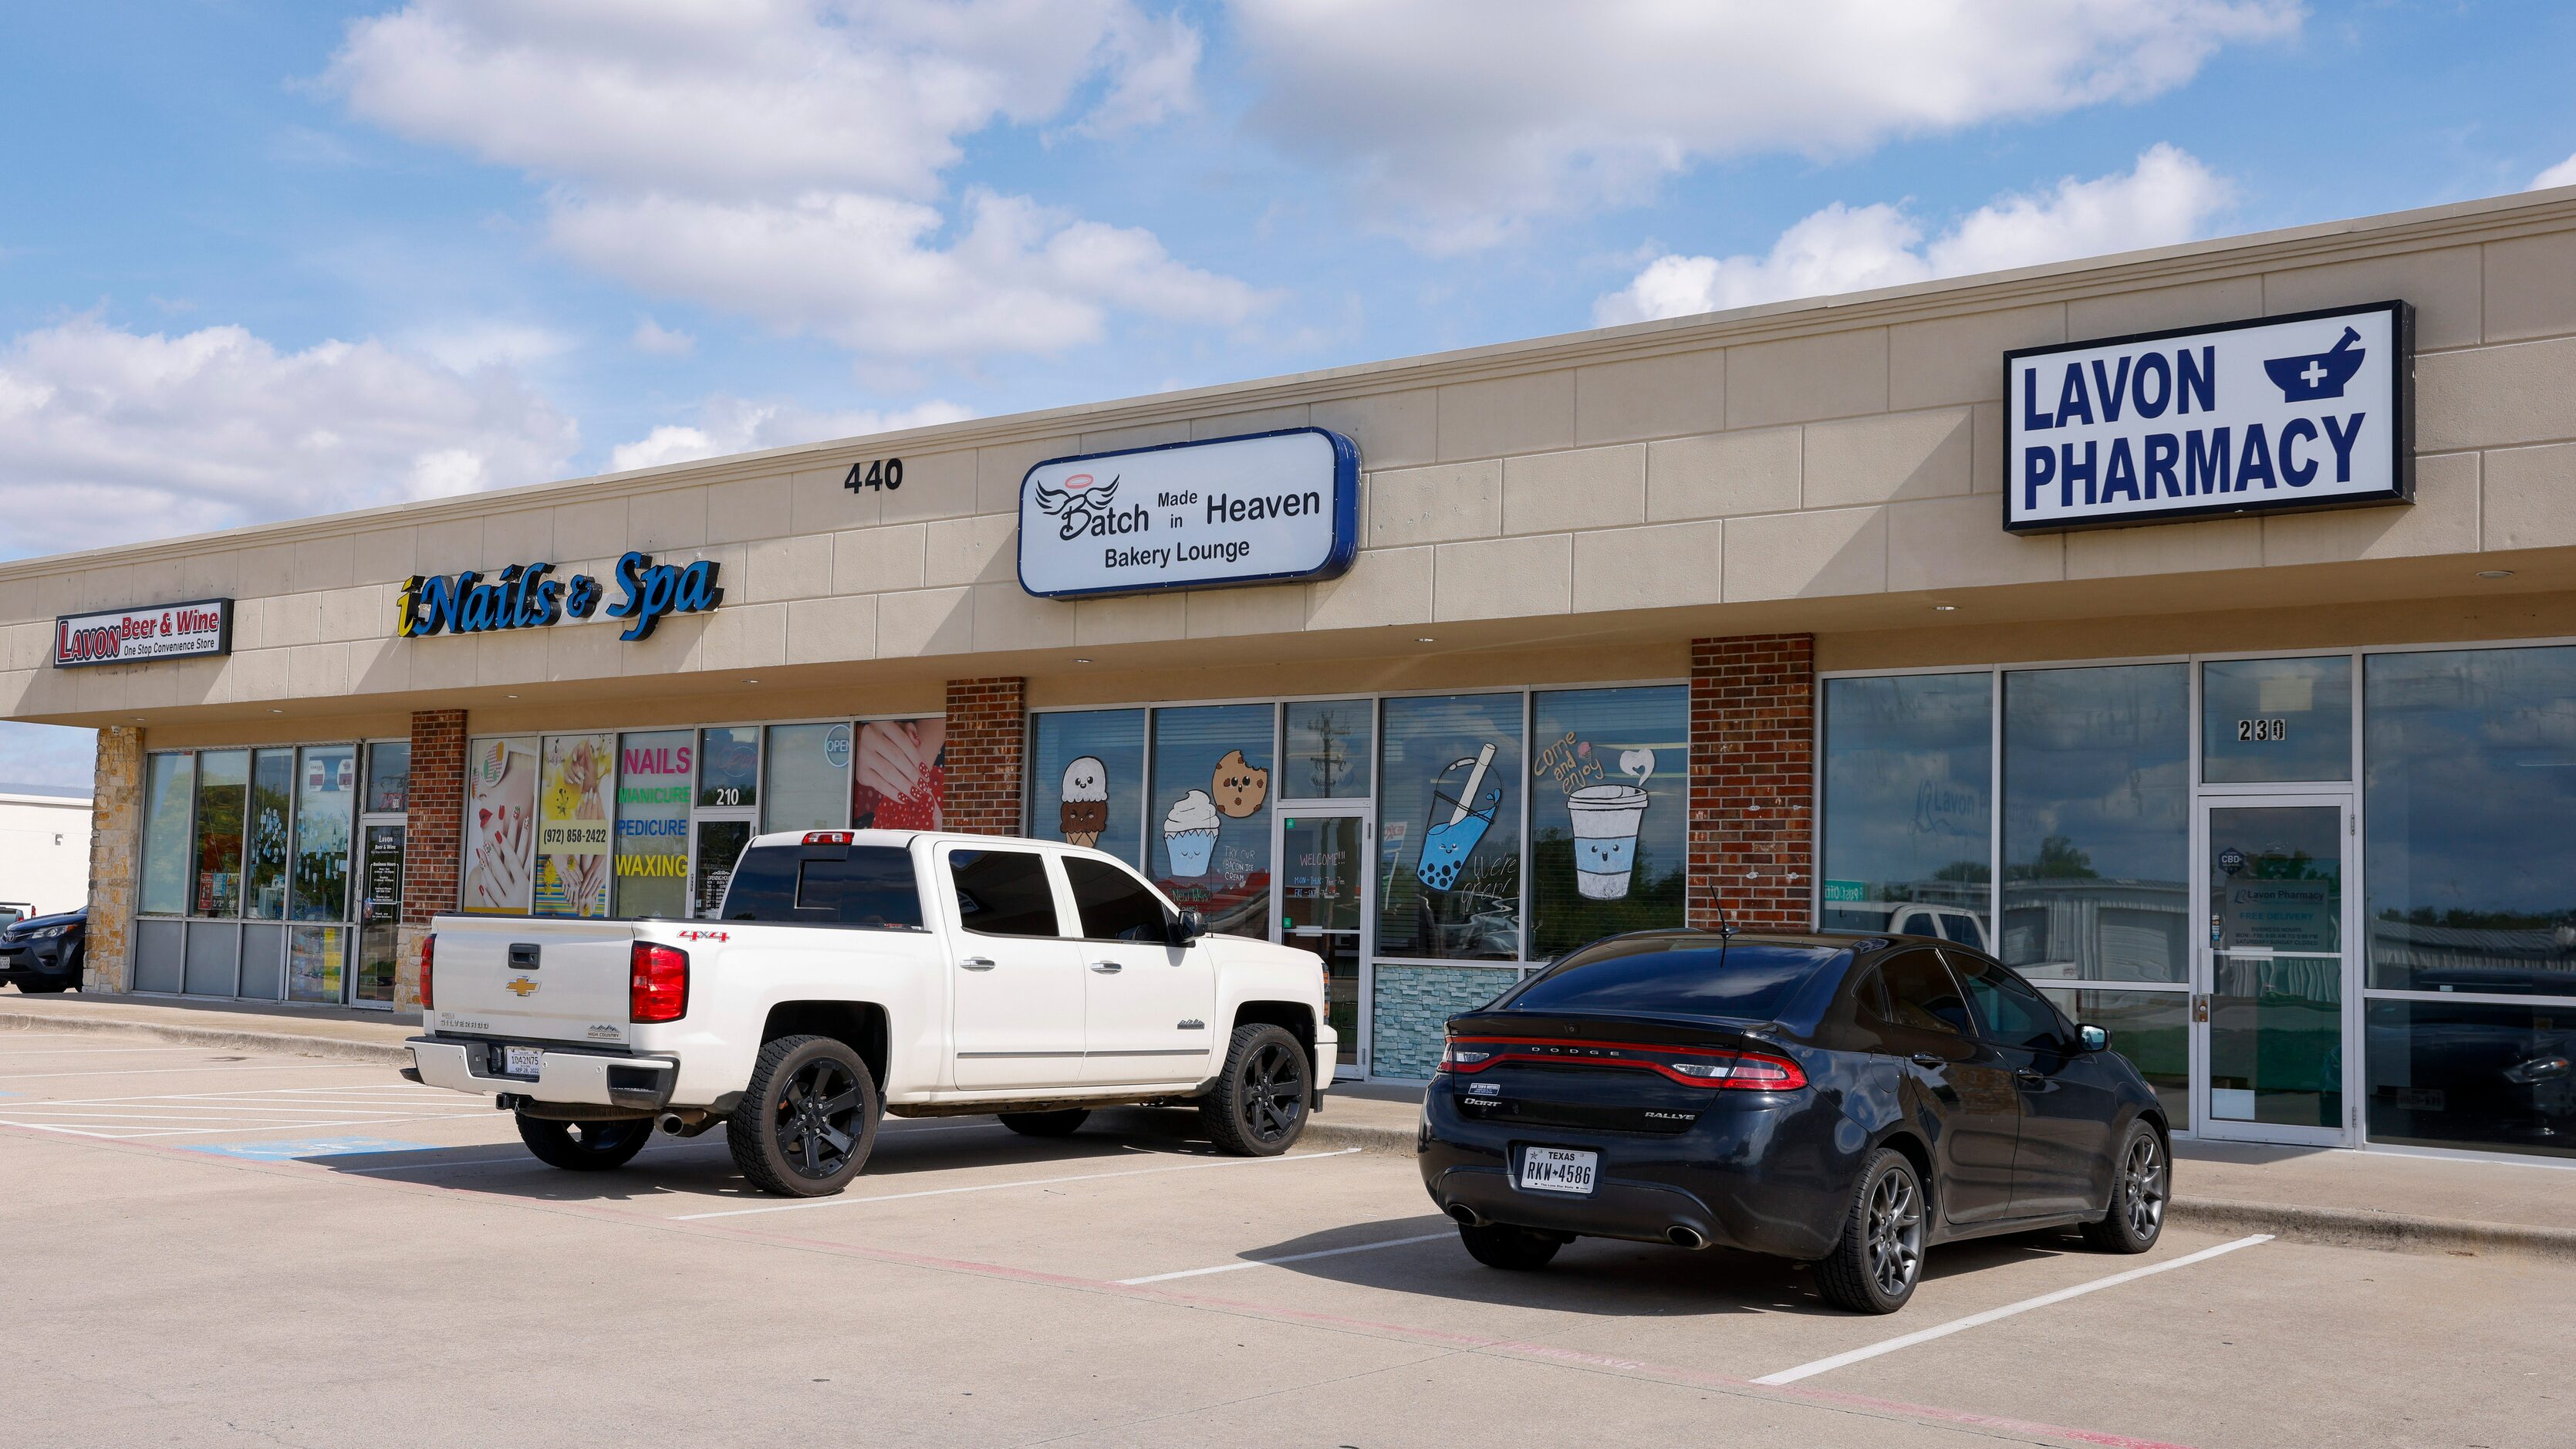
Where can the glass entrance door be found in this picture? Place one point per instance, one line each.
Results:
(715, 843)
(1323, 875)
(2269, 1009)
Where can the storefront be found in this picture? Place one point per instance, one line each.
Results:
(2195, 630)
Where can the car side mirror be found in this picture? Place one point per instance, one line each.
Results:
(1188, 926)
(2094, 1038)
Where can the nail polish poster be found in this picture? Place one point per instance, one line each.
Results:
(574, 831)
(500, 825)
(900, 780)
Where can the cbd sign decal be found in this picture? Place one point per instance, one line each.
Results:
(523, 597)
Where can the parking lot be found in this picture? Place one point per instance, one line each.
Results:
(213, 1246)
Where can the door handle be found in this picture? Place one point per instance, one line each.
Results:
(977, 963)
(1106, 968)
(2027, 1075)
(1930, 1059)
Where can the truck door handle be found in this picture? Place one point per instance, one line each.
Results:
(1106, 968)
(977, 963)
(1929, 1059)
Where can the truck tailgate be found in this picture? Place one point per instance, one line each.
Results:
(538, 979)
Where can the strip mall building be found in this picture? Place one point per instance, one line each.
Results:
(2005, 609)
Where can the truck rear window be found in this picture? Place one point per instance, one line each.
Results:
(1674, 977)
(869, 886)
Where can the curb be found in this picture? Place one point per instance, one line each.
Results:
(336, 1048)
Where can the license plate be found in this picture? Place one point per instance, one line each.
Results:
(519, 1061)
(1558, 1169)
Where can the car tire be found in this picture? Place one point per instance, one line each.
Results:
(44, 987)
(1876, 1264)
(1516, 1250)
(1046, 1124)
(1258, 1105)
(585, 1146)
(807, 1120)
(2141, 1179)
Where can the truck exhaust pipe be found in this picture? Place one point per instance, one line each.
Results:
(686, 1122)
(1685, 1238)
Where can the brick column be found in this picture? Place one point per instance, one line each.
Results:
(433, 838)
(1752, 781)
(987, 737)
(115, 854)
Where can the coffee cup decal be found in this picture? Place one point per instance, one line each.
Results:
(1606, 818)
(1449, 837)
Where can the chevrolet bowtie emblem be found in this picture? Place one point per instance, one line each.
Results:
(522, 986)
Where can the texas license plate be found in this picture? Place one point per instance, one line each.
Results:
(517, 1061)
(1559, 1169)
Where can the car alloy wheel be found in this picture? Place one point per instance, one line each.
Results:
(1895, 1233)
(2143, 1180)
(816, 1119)
(1274, 1091)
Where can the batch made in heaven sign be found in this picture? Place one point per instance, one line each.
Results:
(2276, 414)
(1266, 508)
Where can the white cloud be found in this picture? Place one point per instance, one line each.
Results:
(2167, 197)
(34, 754)
(108, 436)
(1460, 119)
(735, 425)
(2562, 174)
(660, 341)
(465, 346)
(784, 158)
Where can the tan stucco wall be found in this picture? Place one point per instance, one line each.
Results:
(1827, 466)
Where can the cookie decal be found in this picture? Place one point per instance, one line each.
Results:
(1239, 786)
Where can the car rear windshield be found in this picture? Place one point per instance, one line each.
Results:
(1746, 981)
(869, 886)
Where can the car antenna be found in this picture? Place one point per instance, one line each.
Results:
(1725, 927)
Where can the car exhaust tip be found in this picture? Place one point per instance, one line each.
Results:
(671, 1124)
(1685, 1238)
(1466, 1216)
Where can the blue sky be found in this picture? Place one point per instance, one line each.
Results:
(261, 261)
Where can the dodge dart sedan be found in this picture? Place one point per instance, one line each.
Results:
(1842, 1101)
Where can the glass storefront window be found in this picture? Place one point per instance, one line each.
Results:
(2264, 720)
(314, 956)
(809, 777)
(272, 804)
(223, 790)
(1330, 749)
(652, 856)
(2469, 782)
(388, 778)
(729, 767)
(1449, 824)
(2096, 815)
(2151, 1028)
(899, 775)
(1210, 809)
(1087, 780)
(1908, 818)
(325, 797)
(574, 825)
(2473, 1075)
(500, 825)
(170, 785)
(1609, 812)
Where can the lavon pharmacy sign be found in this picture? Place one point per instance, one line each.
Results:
(1266, 508)
(2271, 415)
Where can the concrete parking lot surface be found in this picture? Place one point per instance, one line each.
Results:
(218, 1246)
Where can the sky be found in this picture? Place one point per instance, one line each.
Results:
(265, 261)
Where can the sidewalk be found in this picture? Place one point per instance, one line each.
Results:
(2385, 1200)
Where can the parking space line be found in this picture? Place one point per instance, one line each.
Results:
(1285, 1258)
(847, 1201)
(99, 1051)
(1975, 1320)
(118, 1132)
(172, 1071)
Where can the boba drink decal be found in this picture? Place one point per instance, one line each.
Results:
(1085, 812)
(1457, 822)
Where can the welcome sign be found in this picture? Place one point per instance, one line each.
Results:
(1264, 508)
(2314, 410)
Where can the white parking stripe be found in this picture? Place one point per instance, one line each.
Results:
(1285, 1258)
(173, 1071)
(1973, 1320)
(99, 1051)
(824, 1202)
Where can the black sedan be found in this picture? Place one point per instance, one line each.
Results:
(43, 953)
(1842, 1101)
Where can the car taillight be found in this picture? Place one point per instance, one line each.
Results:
(1455, 1058)
(427, 945)
(657, 985)
(827, 837)
(1720, 1067)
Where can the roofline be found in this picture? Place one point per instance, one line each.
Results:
(2421, 228)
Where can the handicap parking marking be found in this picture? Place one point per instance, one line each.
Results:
(1238, 1267)
(302, 1147)
(846, 1200)
(1976, 1320)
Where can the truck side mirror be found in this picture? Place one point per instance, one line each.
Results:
(1188, 926)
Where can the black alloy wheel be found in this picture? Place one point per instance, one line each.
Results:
(1879, 1260)
(2139, 1187)
(1259, 1103)
(585, 1146)
(808, 1118)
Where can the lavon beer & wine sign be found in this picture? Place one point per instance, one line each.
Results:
(132, 636)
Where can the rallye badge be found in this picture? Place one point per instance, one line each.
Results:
(522, 987)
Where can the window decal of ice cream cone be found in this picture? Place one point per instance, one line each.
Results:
(1606, 818)
(1447, 842)
(1189, 834)
(1085, 812)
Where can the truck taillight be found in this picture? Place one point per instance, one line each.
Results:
(657, 983)
(427, 945)
(827, 837)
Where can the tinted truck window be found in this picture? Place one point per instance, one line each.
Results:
(1003, 892)
(1115, 906)
(869, 886)
(1684, 978)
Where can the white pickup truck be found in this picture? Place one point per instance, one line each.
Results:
(853, 973)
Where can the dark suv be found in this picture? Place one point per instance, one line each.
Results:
(43, 953)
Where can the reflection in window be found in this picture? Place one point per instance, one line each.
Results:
(388, 778)
(325, 794)
(2469, 781)
(729, 766)
(223, 789)
(1210, 809)
(272, 803)
(2097, 835)
(2458, 1074)
(809, 778)
(1609, 812)
(1330, 746)
(2151, 1028)
(170, 785)
(1087, 781)
(2276, 719)
(652, 856)
(1908, 817)
(1449, 807)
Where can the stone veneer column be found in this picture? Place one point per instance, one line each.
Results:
(987, 743)
(1752, 781)
(115, 854)
(433, 837)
